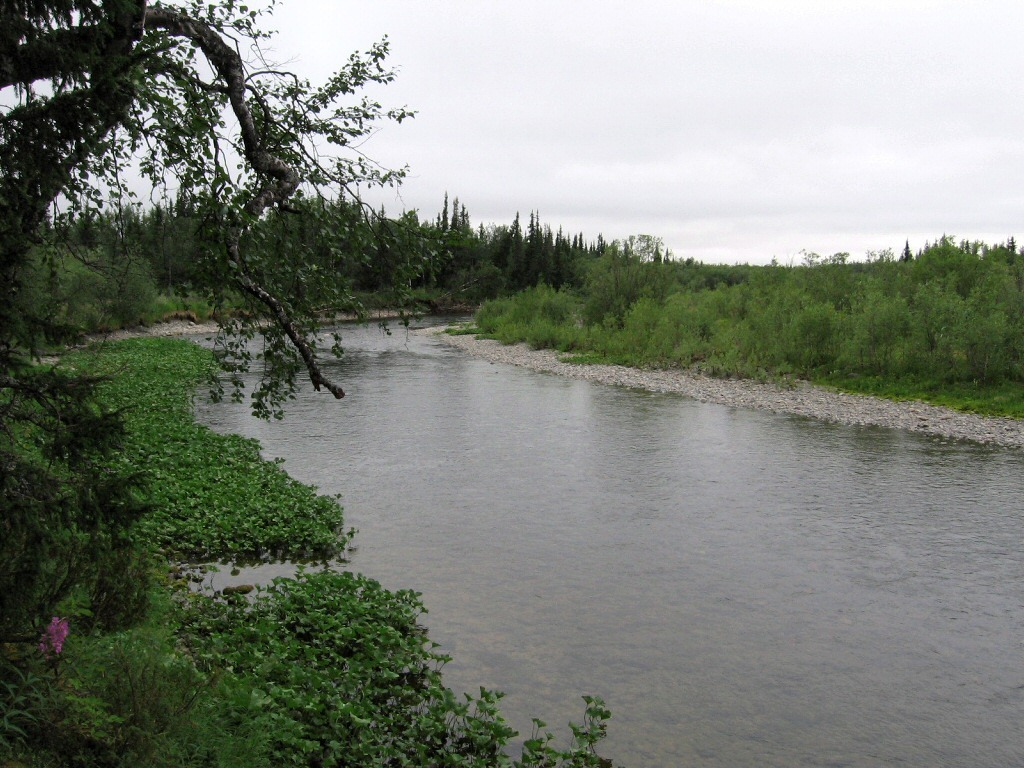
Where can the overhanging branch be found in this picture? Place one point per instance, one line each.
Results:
(279, 179)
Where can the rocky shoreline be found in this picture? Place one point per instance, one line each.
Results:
(178, 327)
(802, 399)
(169, 328)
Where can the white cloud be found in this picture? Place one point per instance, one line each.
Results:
(734, 130)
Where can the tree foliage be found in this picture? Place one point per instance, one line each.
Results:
(99, 92)
(180, 94)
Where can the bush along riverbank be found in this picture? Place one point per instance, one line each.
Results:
(326, 669)
(945, 326)
(652, 348)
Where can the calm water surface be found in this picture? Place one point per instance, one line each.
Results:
(743, 589)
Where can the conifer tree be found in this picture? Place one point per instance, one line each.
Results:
(444, 214)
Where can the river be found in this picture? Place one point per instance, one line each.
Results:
(742, 588)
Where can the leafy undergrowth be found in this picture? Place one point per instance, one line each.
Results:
(213, 496)
(127, 699)
(344, 675)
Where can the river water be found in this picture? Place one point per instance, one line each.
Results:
(742, 588)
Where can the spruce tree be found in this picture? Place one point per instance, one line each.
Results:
(906, 255)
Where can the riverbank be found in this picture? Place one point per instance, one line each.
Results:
(799, 399)
(169, 328)
(217, 678)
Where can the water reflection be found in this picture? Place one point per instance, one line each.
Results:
(744, 589)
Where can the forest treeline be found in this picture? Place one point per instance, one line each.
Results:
(111, 268)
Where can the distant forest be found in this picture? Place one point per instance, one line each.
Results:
(106, 269)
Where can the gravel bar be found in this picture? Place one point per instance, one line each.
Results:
(801, 399)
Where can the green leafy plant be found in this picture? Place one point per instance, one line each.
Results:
(21, 697)
(211, 496)
(347, 676)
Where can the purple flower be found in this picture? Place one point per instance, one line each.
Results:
(52, 641)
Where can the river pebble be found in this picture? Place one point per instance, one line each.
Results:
(800, 398)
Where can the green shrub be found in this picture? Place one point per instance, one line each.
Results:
(875, 339)
(166, 307)
(129, 699)
(541, 316)
(617, 280)
(810, 339)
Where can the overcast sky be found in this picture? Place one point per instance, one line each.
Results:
(736, 131)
